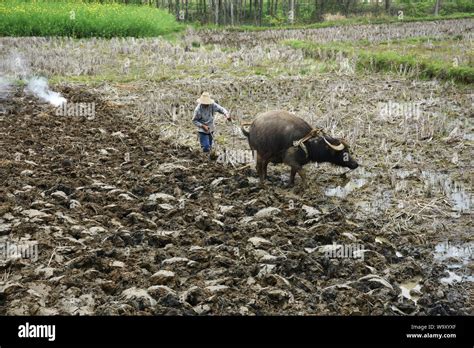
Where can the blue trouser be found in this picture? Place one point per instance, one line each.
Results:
(206, 141)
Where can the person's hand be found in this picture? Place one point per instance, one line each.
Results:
(229, 118)
(206, 128)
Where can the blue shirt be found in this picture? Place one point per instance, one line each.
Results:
(205, 116)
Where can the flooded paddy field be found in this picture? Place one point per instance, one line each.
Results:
(127, 216)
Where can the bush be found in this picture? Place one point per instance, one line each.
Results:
(277, 20)
(419, 9)
(424, 8)
(457, 6)
(333, 17)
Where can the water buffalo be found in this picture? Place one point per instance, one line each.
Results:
(273, 133)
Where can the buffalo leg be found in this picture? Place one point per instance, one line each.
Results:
(292, 176)
(264, 168)
(259, 167)
(290, 159)
(302, 173)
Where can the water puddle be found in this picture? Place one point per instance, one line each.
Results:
(469, 136)
(380, 202)
(351, 185)
(460, 198)
(411, 289)
(405, 174)
(435, 182)
(343, 191)
(451, 278)
(458, 258)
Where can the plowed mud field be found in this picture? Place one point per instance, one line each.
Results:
(129, 217)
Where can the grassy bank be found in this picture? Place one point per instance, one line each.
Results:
(77, 19)
(383, 58)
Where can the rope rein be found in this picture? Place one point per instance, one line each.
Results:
(312, 134)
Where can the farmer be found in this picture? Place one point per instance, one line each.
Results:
(204, 119)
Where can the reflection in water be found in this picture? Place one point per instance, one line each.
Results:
(342, 192)
(351, 184)
(413, 183)
(451, 278)
(404, 181)
(458, 258)
(411, 289)
(380, 202)
(469, 136)
(460, 198)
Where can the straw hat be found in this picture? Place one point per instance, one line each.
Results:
(205, 99)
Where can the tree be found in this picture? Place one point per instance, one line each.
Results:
(320, 13)
(438, 3)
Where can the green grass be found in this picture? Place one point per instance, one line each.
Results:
(78, 19)
(446, 50)
(370, 58)
(342, 22)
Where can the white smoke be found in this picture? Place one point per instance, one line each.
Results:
(39, 87)
(6, 87)
(15, 68)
